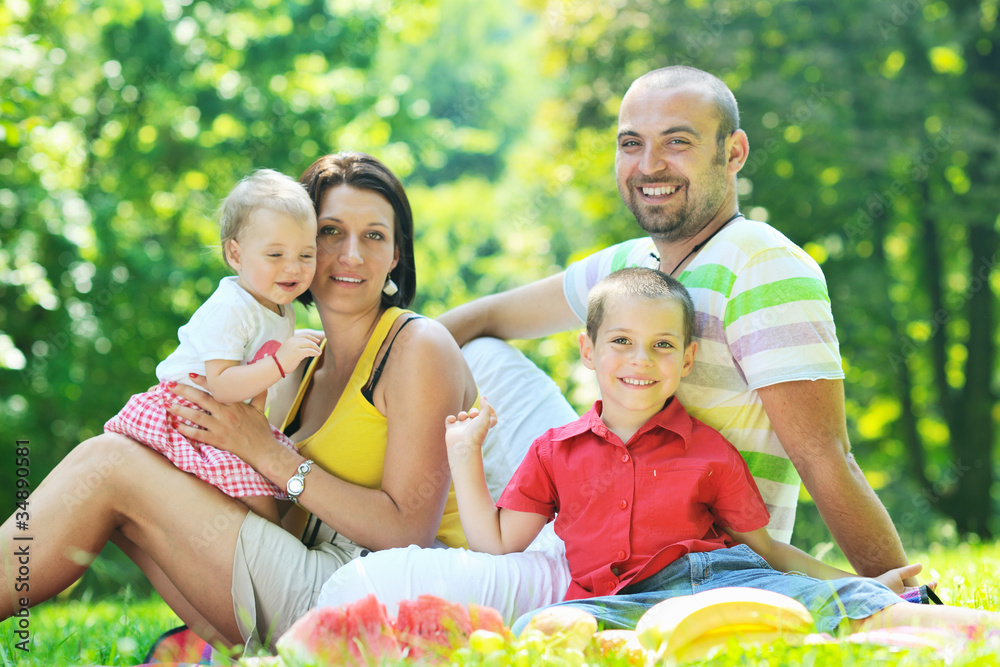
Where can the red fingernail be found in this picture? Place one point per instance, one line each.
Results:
(192, 375)
(171, 384)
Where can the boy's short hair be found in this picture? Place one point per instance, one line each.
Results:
(267, 189)
(638, 282)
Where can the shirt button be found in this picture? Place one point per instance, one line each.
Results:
(611, 586)
(623, 504)
(621, 555)
(624, 458)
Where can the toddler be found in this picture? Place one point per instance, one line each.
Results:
(242, 339)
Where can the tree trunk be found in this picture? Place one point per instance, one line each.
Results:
(972, 430)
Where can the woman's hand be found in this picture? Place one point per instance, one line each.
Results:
(236, 428)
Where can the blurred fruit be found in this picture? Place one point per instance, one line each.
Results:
(689, 626)
(567, 627)
(624, 643)
(486, 641)
(358, 633)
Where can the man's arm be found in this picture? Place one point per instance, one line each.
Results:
(808, 418)
(531, 311)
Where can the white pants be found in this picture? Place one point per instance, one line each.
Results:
(528, 403)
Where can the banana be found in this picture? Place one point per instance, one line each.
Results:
(711, 644)
(672, 625)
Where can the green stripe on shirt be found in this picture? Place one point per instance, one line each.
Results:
(775, 294)
(768, 466)
(620, 259)
(713, 277)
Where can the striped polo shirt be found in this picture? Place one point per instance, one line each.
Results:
(762, 317)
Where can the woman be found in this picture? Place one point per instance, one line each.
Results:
(379, 476)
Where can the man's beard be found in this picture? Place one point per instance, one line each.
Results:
(684, 219)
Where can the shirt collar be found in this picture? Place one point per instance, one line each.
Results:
(673, 418)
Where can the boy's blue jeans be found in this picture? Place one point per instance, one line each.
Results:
(829, 601)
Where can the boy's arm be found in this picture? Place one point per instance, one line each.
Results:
(487, 528)
(231, 382)
(786, 558)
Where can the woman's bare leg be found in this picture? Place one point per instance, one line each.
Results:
(926, 615)
(263, 506)
(173, 597)
(110, 484)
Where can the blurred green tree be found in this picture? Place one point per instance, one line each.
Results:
(871, 129)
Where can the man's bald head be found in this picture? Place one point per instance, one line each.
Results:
(680, 76)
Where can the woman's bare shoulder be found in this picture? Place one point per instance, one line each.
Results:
(426, 350)
(423, 334)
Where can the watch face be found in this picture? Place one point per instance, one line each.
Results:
(295, 486)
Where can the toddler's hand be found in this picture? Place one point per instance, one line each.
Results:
(295, 349)
(465, 432)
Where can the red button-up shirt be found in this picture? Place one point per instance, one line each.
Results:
(626, 511)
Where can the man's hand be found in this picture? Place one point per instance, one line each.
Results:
(894, 578)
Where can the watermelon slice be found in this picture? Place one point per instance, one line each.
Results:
(431, 626)
(359, 633)
(487, 618)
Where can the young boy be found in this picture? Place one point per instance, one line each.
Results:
(650, 502)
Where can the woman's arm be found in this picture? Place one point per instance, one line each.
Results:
(425, 380)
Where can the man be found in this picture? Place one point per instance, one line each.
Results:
(768, 375)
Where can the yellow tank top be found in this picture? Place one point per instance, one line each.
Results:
(351, 443)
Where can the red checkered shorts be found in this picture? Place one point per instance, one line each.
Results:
(146, 420)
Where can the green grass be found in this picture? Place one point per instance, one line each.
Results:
(87, 632)
(118, 631)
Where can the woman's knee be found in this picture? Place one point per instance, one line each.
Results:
(97, 464)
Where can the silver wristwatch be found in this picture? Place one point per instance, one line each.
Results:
(297, 482)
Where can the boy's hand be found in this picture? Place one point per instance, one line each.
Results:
(465, 433)
(894, 578)
(300, 346)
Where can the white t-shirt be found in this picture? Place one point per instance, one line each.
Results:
(763, 317)
(230, 325)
